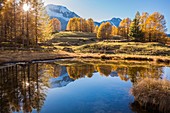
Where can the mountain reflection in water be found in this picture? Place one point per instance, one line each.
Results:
(24, 86)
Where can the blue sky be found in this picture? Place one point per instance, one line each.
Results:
(106, 9)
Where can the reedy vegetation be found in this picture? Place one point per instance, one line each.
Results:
(152, 92)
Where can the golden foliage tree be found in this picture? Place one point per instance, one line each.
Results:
(96, 29)
(23, 26)
(91, 25)
(84, 25)
(104, 30)
(80, 24)
(56, 25)
(156, 27)
(73, 24)
(143, 24)
(104, 69)
(114, 30)
(153, 26)
(124, 27)
(76, 72)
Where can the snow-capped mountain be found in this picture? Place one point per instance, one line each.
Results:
(61, 80)
(113, 21)
(61, 13)
(64, 14)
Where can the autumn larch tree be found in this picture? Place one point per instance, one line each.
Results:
(96, 29)
(114, 30)
(124, 27)
(91, 25)
(20, 26)
(101, 31)
(56, 25)
(73, 24)
(69, 25)
(156, 27)
(104, 30)
(108, 28)
(80, 24)
(143, 24)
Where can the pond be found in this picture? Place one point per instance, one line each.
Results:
(74, 86)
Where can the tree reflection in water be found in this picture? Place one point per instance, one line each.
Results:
(76, 72)
(125, 73)
(23, 87)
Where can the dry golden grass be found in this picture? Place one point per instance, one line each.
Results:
(17, 56)
(132, 48)
(74, 34)
(153, 93)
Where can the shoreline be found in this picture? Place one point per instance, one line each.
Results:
(30, 56)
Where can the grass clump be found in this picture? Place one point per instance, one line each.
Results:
(153, 93)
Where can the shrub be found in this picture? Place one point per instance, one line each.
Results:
(153, 93)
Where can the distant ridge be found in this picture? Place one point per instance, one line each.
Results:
(113, 21)
(64, 14)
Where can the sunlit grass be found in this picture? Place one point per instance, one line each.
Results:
(133, 48)
(74, 34)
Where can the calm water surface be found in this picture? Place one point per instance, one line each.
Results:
(73, 86)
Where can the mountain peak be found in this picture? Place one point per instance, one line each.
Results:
(55, 11)
(58, 8)
(118, 19)
(113, 21)
(61, 13)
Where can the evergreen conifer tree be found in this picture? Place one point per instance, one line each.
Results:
(135, 30)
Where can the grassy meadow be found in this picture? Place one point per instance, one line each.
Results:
(86, 45)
